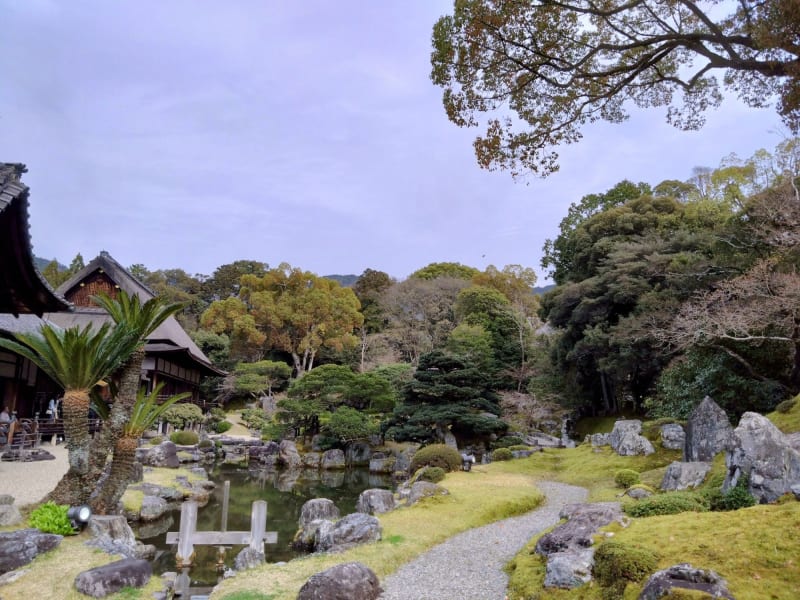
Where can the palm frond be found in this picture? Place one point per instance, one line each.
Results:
(128, 308)
(147, 410)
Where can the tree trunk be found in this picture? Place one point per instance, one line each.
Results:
(73, 488)
(105, 500)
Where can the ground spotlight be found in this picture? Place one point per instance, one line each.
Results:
(79, 515)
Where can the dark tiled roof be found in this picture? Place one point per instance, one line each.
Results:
(22, 288)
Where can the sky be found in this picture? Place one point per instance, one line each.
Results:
(193, 133)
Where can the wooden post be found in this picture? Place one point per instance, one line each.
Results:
(226, 493)
(258, 525)
(186, 533)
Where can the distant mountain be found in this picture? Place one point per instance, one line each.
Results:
(344, 280)
(544, 289)
(41, 263)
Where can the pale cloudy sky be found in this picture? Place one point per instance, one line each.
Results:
(192, 133)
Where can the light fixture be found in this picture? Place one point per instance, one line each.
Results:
(79, 515)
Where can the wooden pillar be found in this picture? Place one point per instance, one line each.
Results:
(186, 532)
(258, 525)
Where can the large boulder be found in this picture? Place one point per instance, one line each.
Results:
(708, 432)
(268, 454)
(626, 441)
(352, 530)
(673, 437)
(357, 454)
(248, 558)
(424, 489)
(537, 438)
(153, 508)
(163, 455)
(569, 569)
(19, 547)
(288, 456)
(380, 463)
(112, 534)
(317, 508)
(9, 514)
(761, 451)
(597, 439)
(684, 577)
(109, 579)
(312, 460)
(684, 475)
(348, 581)
(583, 521)
(375, 501)
(333, 460)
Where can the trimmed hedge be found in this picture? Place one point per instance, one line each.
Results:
(625, 478)
(432, 474)
(502, 454)
(184, 438)
(670, 503)
(437, 455)
(223, 426)
(616, 564)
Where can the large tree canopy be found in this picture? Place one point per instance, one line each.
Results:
(546, 68)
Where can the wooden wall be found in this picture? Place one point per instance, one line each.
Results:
(93, 284)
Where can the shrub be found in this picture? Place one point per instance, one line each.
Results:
(52, 518)
(205, 444)
(437, 455)
(502, 454)
(786, 406)
(737, 497)
(180, 415)
(519, 447)
(223, 426)
(155, 441)
(254, 418)
(507, 441)
(184, 438)
(625, 478)
(432, 474)
(616, 564)
(670, 503)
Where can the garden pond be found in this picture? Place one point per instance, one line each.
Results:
(285, 493)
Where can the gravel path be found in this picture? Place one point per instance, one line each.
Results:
(30, 482)
(469, 566)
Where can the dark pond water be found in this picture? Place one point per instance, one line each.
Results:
(285, 493)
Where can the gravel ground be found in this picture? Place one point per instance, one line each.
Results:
(469, 566)
(30, 482)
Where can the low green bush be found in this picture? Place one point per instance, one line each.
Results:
(155, 441)
(437, 455)
(519, 447)
(617, 564)
(223, 426)
(625, 478)
(432, 474)
(737, 497)
(203, 444)
(786, 406)
(254, 418)
(502, 454)
(52, 518)
(670, 503)
(181, 415)
(184, 438)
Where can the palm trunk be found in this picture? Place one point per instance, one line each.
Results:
(73, 488)
(114, 424)
(106, 499)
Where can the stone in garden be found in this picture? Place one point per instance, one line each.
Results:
(684, 475)
(638, 493)
(163, 455)
(332, 460)
(109, 579)
(380, 463)
(583, 521)
(305, 538)
(199, 471)
(248, 558)
(316, 442)
(761, 450)
(795, 489)
(349, 531)
(673, 437)
(569, 569)
(424, 489)
(794, 440)
(6, 499)
(289, 456)
(312, 460)
(375, 501)
(19, 547)
(357, 454)
(537, 438)
(404, 458)
(626, 441)
(707, 432)
(449, 439)
(268, 454)
(153, 507)
(598, 439)
(112, 534)
(9, 514)
(684, 577)
(348, 581)
(317, 508)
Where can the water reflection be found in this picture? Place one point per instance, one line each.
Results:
(285, 493)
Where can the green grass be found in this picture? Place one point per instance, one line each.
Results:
(787, 422)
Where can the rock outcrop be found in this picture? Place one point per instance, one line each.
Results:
(708, 432)
(626, 440)
(349, 531)
(288, 456)
(684, 475)
(348, 581)
(375, 501)
(9, 514)
(684, 577)
(164, 455)
(108, 579)
(760, 451)
(112, 534)
(318, 508)
(333, 460)
(673, 437)
(19, 547)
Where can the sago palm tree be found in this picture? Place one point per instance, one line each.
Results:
(144, 319)
(145, 412)
(76, 359)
